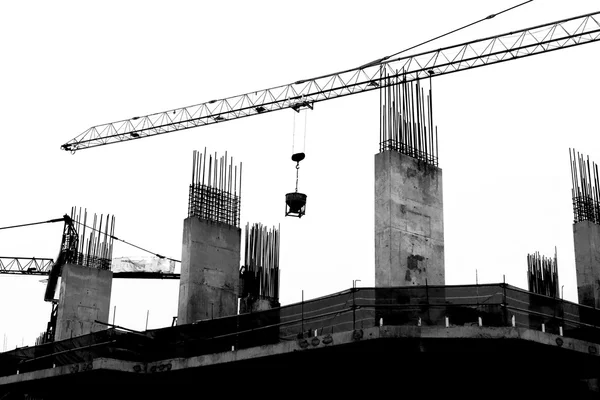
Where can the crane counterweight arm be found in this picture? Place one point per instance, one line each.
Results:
(477, 53)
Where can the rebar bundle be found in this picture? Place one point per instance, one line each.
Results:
(586, 189)
(406, 121)
(260, 273)
(215, 192)
(542, 274)
(95, 250)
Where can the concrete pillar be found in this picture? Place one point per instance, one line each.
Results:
(409, 226)
(84, 298)
(210, 263)
(586, 236)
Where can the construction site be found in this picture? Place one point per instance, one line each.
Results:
(405, 244)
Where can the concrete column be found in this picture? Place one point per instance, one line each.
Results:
(586, 236)
(84, 298)
(210, 264)
(409, 225)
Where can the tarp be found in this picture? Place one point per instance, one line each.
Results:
(142, 264)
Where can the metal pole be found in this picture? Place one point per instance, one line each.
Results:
(353, 307)
(427, 297)
(114, 314)
(147, 316)
(504, 299)
(354, 303)
(302, 313)
(477, 290)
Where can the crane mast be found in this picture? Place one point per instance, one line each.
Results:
(477, 53)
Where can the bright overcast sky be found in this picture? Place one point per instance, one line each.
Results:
(504, 135)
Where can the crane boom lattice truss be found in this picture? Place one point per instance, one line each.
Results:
(477, 53)
(25, 265)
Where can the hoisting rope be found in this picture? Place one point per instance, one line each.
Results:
(126, 242)
(297, 170)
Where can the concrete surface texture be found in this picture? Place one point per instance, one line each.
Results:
(586, 236)
(210, 261)
(409, 225)
(84, 298)
(253, 304)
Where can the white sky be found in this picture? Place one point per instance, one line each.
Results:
(505, 131)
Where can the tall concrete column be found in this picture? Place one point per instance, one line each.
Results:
(84, 298)
(586, 236)
(210, 262)
(409, 226)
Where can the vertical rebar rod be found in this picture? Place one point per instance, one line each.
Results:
(406, 119)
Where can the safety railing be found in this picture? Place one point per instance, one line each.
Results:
(494, 305)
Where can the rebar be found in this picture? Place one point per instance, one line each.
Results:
(215, 193)
(542, 274)
(406, 120)
(260, 272)
(586, 188)
(94, 251)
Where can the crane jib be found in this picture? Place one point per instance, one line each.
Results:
(477, 53)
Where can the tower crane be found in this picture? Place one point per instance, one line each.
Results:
(374, 75)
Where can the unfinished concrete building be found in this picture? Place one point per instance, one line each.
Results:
(388, 334)
(411, 335)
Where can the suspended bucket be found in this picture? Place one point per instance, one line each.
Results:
(295, 204)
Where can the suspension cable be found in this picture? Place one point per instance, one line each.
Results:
(130, 244)
(455, 30)
(33, 223)
(381, 60)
